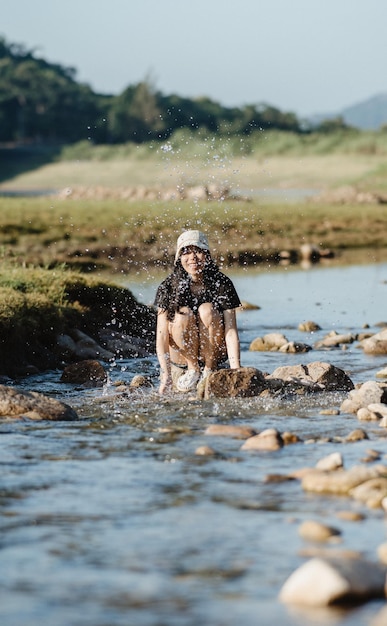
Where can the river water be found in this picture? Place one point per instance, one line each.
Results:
(114, 520)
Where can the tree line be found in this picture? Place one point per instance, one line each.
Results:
(43, 102)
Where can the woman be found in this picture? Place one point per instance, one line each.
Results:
(196, 322)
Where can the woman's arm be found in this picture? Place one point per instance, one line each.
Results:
(162, 350)
(232, 338)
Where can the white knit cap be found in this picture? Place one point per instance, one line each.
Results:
(191, 238)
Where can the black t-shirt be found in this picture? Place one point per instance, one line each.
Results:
(219, 290)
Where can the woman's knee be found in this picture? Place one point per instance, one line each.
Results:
(183, 320)
(209, 315)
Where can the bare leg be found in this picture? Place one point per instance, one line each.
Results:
(184, 339)
(211, 336)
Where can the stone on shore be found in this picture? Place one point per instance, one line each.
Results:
(230, 430)
(370, 392)
(295, 347)
(268, 343)
(78, 345)
(15, 403)
(269, 439)
(323, 581)
(308, 327)
(371, 492)
(331, 462)
(89, 373)
(244, 382)
(377, 344)
(316, 531)
(323, 376)
(340, 482)
(334, 339)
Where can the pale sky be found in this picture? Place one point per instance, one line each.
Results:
(304, 56)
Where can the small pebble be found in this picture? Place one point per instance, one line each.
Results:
(315, 531)
(205, 451)
(351, 516)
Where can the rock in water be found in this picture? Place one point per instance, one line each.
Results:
(322, 582)
(89, 372)
(244, 382)
(19, 404)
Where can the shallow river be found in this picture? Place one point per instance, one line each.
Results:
(114, 520)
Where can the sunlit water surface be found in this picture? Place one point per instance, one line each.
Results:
(114, 520)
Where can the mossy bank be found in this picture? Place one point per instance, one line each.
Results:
(37, 305)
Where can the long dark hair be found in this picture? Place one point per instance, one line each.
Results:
(181, 281)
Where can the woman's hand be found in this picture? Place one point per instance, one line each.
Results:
(165, 383)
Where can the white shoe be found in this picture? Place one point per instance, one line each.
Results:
(188, 381)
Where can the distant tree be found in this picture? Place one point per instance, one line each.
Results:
(332, 125)
(135, 115)
(42, 101)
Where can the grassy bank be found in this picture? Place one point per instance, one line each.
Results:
(37, 305)
(129, 236)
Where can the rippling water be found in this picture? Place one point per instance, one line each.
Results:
(114, 520)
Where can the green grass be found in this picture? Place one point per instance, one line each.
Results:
(129, 236)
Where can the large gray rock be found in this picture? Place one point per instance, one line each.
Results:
(325, 376)
(244, 382)
(268, 343)
(15, 403)
(342, 481)
(370, 392)
(334, 339)
(79, 346)
(377, 344)
(89, 372)
(323, 581)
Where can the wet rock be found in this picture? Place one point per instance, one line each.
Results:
(356, 435)
(244, 382)
(323, 375)
(371, 492)
(268, 343)
(229, 430)
(379, 409)
(322, 582)
(373, 412)
(277, 478)
(309, 252)
(370, 392)
(364, 415)
(330, 463)
(15, 403)
(329, 412)
(289, 438)
(377, 344)
(341, 482)
(269, 439)
(79, 346)
(333, 339)
(139, 380)
(316, 531)
(124, 346)
(295, 347)
(308, 327)
(205, 451)
(350, 516)
(382, 373)
(88, 372)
